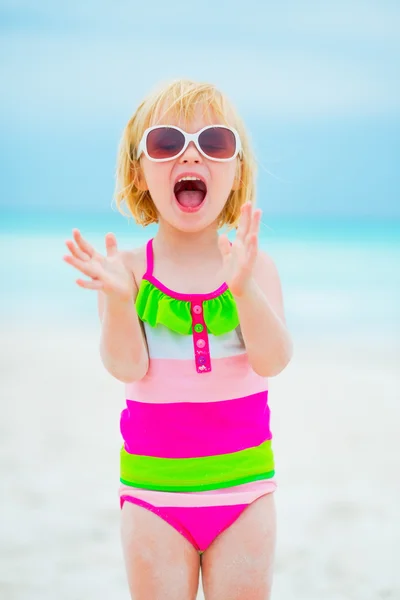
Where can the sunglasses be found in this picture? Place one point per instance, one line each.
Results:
(166, 142)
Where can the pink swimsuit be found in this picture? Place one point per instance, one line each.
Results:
(196, 429)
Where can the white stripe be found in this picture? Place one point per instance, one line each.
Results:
(164, 343)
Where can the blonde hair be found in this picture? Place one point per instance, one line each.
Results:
(180, 98)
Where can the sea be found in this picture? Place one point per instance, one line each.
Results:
(340, 275)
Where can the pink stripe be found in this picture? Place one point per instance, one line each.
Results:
(230, 378)
(187, 297)
(192, 429)
(241, 494)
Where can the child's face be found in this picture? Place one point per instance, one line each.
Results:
(187, 211)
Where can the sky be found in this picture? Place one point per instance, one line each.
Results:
(316, 83)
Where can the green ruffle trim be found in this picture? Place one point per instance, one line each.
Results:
(154, 307)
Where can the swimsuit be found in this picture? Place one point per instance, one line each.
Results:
(196, 429)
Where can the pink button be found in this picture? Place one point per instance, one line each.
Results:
(197, 309)
(200, 343)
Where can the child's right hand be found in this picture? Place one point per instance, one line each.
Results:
(108, 273)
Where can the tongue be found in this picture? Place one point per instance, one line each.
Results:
(190, 198)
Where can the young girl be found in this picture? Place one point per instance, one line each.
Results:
(193, 325)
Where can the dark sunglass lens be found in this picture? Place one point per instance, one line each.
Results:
(164, 142)
(218, 142)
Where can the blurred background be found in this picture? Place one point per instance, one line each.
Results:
(317, 84)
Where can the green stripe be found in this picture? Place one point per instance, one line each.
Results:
(200, 487)
(196, 474)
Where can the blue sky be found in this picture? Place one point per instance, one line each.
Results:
(316, 82)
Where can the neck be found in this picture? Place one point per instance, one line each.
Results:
(186, 243)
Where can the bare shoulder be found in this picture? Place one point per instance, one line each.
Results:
(265, 266)
(267, 277)
(135, 261)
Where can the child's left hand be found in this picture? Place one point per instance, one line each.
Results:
(240, 257)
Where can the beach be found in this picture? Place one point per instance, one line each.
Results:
(335, 418)
(315, 97)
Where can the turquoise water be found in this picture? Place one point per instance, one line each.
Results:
(340, 276)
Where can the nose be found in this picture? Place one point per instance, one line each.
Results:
(191, 155)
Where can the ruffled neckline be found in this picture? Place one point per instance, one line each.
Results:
(158, 305)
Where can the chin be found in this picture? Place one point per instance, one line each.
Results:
(191, 221)
(192, 226)
(195, 221)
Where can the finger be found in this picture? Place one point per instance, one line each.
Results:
(224, 245)
(252, 250)
(76, 251)
(94, 284)
(255, 222)
(83, 244)
(244, 221)
(87, 268)
(111, 244)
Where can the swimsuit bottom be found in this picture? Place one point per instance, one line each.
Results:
(199, 516)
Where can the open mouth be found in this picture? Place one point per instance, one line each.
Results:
(190, 193)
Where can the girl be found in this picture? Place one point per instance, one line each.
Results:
(193, 325)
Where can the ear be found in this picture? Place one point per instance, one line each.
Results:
(237, 182)
(139, 178)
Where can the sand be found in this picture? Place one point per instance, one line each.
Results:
(336, 415)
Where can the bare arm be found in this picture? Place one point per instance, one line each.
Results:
(254, 282)
(123, 347)
(262, 320)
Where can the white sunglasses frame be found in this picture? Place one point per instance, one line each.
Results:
(189, 137)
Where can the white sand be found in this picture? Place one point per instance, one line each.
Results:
(336, 415)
